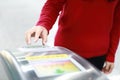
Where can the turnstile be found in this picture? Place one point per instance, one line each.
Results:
(47, 63)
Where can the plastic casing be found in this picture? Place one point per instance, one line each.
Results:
(17, 68)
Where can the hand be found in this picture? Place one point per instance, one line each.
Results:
(108, 67)
(37, 32)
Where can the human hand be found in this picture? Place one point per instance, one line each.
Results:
(107, 69)
(36, 32)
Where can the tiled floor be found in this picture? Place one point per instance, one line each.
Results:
(16, 16)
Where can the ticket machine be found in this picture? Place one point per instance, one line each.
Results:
(47, 63)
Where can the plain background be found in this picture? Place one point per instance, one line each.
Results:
(17, 16)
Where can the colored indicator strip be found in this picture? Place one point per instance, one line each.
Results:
(42, 57)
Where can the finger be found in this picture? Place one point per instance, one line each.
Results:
(28, 36)
(37, 35)
(44, 37)
(105, 68)
(111, 68)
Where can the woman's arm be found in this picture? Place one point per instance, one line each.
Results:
(114, 41)
(50, 12)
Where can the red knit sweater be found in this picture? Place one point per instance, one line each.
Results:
(88, 27)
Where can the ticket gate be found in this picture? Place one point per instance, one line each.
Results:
(47, 63)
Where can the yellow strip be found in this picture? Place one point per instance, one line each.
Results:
(53, 56)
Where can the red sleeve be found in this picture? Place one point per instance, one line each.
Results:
(50, 12)
(115, 34)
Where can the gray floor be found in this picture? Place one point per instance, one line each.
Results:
(16, 16)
